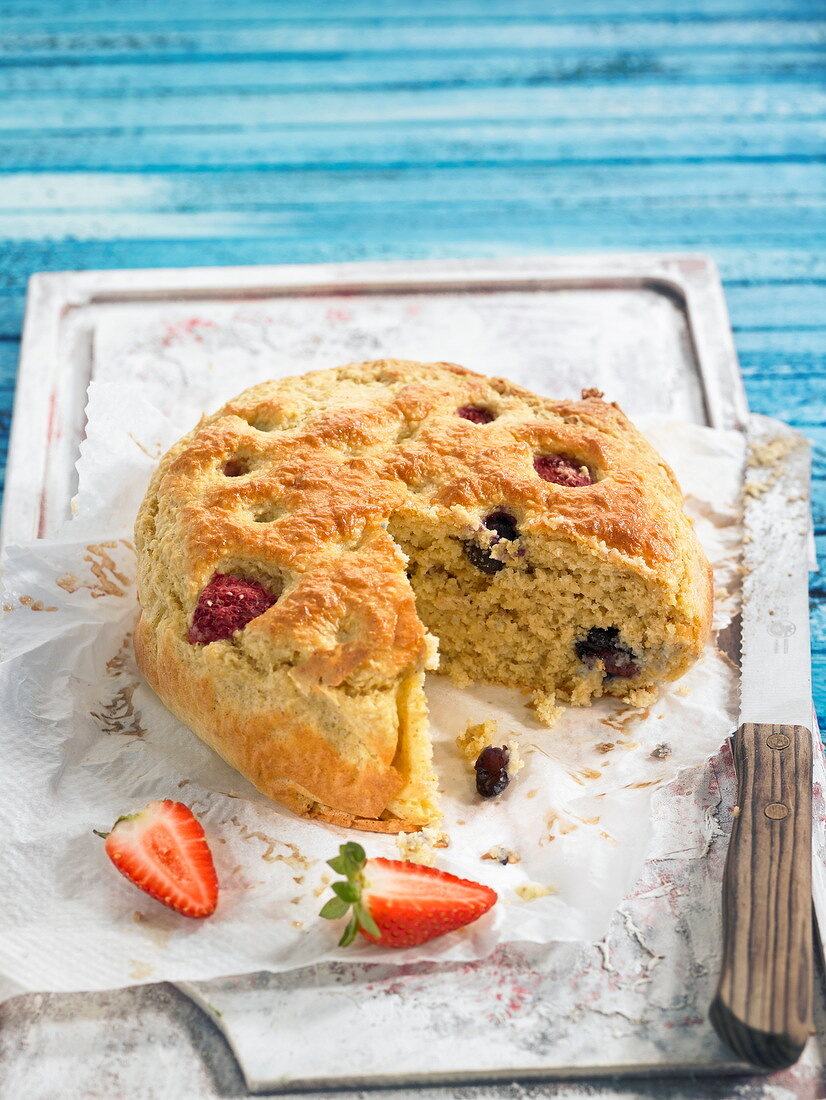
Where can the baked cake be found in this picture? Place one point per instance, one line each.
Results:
(301, 551)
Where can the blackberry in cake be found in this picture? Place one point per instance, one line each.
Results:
(303, 552)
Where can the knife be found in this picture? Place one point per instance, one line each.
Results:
(763, 1005)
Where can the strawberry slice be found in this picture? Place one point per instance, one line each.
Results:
(163, 850)
(400, 904)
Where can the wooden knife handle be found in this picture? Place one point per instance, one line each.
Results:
(763, 1005)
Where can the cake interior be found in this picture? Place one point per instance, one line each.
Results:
(553, 620)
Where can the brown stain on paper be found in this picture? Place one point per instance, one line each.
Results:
(294, 859)
(107, 579)
(117, 713)
(33, 604)
(625, 718)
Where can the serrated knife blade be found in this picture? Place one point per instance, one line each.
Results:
(763, 1004)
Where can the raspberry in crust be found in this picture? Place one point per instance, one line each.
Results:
(227, 604)
(359, 516)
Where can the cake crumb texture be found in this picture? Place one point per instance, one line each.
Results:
(476, 737)
(530, 891)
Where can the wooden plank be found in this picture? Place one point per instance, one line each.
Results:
(118, 148)
(313, 37)
(601, 101)
(147, 77)
(85, 12)
(394, 230)
(568, 186)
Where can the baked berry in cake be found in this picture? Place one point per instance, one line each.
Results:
(303, 552)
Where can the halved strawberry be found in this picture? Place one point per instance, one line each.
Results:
(400, 904)
(163, 850)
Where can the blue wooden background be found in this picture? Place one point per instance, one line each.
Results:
(178, 132)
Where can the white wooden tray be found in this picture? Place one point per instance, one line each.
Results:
(653, 331)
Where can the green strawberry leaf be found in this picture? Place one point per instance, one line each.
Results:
(334, 909)
(366, 921)
(355, 852)
(347, 891)
(349, 862)
(349, 932)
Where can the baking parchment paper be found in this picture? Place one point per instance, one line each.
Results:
(83, 740)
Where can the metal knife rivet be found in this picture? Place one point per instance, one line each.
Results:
(778, 741)
(776, 811)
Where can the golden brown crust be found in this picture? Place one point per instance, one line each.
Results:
(268, 744)
(302, 700)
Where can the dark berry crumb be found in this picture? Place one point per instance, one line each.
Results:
(492, 771)
(481, 559)
(504, 526)
(235, 467)
(603, 644)
(476, 413)
(227, 604)
(562, 470)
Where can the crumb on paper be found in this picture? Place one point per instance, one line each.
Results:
(643, 697)
(683, 690)
(604, 746)
(477, 736)
(515, 761)
(661, 752)
(420, 847)
(628, 746)
(543, 704)
(502, 855)
(530, 891)
(297, 923)
(593, 392)
(139, 969)
(533, 793)
(325, 882)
